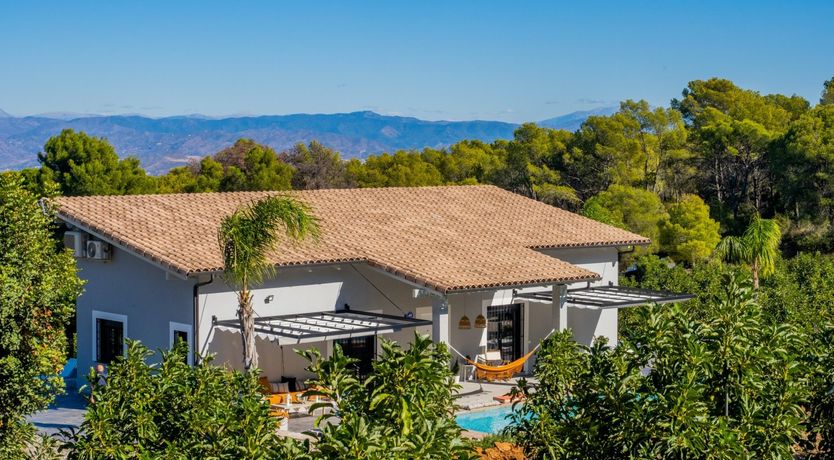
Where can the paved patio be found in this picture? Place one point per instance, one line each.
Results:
(475, 395)
(66, 412)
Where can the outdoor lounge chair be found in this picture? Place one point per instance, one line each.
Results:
(490, 358)
(280, 396)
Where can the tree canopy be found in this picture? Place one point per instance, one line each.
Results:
(689, 234)
(404, 410)
(827, 97)
(85, 165)
(316, 167)
(630, 208)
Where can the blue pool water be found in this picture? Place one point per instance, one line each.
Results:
(491, 420)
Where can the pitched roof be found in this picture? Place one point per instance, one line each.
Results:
(448, 238)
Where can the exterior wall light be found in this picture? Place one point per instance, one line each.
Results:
(269, 298)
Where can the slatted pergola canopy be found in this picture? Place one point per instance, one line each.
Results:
(604, 297)
(306, 327)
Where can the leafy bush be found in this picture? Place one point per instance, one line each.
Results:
(705, 280)
(821, 405)
(800, 291)
(720, 385)
(404, 410)
(689, 234)
(38, 288)
(174, 410)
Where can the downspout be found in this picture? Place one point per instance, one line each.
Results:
(196, 319)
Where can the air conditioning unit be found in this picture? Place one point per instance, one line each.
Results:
(77, 241)
(98, 250)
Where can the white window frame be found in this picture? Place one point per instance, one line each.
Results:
(112, 317)
(182, 327)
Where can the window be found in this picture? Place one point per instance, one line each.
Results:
(109, 331)
(181, 336)
(181, 331)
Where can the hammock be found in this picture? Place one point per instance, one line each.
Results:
(504, 371)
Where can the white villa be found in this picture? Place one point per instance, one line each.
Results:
(389, 261)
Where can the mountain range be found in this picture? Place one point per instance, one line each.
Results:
(162, 143)
(572, 121)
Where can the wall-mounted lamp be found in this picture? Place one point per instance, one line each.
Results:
(269, 298)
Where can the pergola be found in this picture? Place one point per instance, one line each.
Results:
(324, 325)
(605, 297)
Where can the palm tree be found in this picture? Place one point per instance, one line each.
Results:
(245, 238)
(758, 247)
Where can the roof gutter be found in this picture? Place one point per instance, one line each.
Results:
(196, 318)
(522, 285)
(591, 246)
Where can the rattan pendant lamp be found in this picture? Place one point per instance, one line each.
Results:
(464, 322)
(480, 321)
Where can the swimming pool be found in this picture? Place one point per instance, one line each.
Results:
(491, 420)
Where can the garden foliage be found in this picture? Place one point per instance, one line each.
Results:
(38, 288)
(722, 384)
(172, 410)
(404, 410)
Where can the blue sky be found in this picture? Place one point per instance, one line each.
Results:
(513, 61)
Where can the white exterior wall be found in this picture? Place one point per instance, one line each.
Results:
(135, 288)
(130, 286)
(303, 290)
(589, 324)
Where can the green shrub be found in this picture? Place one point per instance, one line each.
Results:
(800, 291)
(38, 288)
(821, 405)
(723, 384)
(173, 410)
(405, 410)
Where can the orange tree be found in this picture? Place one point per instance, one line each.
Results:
(724, 384)
(38, 288)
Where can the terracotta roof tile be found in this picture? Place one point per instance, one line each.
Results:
(449, 238)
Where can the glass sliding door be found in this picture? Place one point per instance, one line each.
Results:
(505, 330)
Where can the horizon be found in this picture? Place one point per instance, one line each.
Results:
(430, 61)
(69, 116)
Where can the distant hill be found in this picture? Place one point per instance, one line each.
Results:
(162, 143)
(573, 121)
